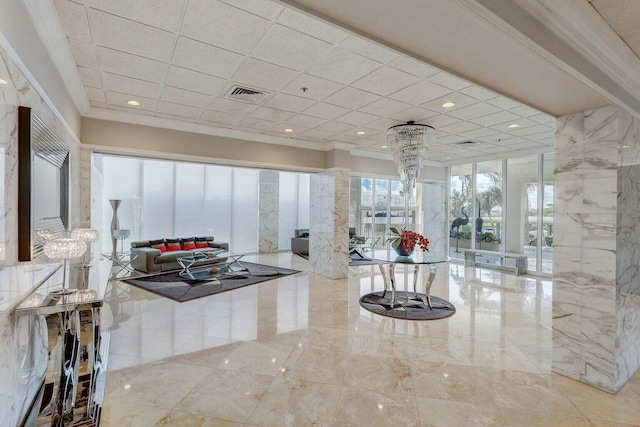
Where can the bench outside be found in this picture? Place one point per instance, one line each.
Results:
(520, 267)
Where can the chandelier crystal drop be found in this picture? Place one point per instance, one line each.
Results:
(409, 143)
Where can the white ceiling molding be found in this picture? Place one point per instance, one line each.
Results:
(6, 46)
(49, 28)
(158, 122)
(576, 38)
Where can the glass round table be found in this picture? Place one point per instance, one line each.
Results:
(417, 259)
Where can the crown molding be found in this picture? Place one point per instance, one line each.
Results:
(11, 54)
(138, 119)
(45, 20)
(572, 36)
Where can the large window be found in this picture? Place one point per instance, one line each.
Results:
(179, 199)
(379, 203)
(512, 213)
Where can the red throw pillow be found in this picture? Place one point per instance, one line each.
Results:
(173, 248)
(188, 246)
(158, 244)
(202, 245)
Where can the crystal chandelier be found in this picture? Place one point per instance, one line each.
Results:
(409, 143)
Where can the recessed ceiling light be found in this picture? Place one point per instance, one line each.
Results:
(360, 132)
(288, 130)
(133, 102)
(384, 146)
(3, 82)
(513, 125)
(448, 104)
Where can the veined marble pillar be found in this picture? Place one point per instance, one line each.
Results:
(434, 220)
(596, 283)
(269, 212)
(329, 223)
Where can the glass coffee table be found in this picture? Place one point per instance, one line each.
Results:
(221, 264)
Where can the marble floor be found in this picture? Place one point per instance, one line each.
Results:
(299, 351)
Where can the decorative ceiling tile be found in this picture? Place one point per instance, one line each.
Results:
(477, 133)
(194, 81)
(334, 127)
(351, 98)
(179, 110)
(317, 134)
(95, 95)
(416, 114)
(74, 20)
(125, 64)
(495, 118)
(289, 102)
(479, 92)
(383, 124)
(311, 26)
(304, 121)
(90, 77)
(220, 117)
(271, 114)
(185, 97)
(385, 80)
(420, 93)
(458, 128)
(413, 66)
(544, 119)
(120, 99)
(441, 121)
(84, 54)
(262, 75)
(122, 84)
(165, 14)
(289, 48)
(385, 107)
(317, 88)
(503, 102)
(340, 65)
(449, 81)
(476, 110)
(224, 26)
(368, 49)
(459, 99)
(256, 124)
(130, 37)
(205, 58)
(357, 118)
(230, 106)
(265, 8)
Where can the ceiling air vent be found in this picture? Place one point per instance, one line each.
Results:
(245, 94)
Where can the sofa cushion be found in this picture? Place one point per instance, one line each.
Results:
(158, 244)
(187, 243)
(171, 256)
(173, 245)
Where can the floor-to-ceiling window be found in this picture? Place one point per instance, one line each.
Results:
(502, 206)
(379, 203)
(460, 210)
(162, 198)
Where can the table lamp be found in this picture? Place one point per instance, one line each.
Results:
(88, 235)
(121, 234)
(64, 249)
(41, 235)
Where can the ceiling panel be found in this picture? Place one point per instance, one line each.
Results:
(224, 26)
(179, 59)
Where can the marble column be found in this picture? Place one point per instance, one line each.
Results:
(269, 211)
(434, 219)
(329, 223)
(596, 286)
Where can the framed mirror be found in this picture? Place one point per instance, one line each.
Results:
(43, 183)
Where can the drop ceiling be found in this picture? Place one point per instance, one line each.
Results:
(180, 58)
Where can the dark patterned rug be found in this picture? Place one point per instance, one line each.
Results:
(407, 306)
(179, 289)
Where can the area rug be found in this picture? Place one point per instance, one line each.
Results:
(354, 260)
(407, 306)
(172, 286)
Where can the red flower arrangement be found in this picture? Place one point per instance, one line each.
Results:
(407, 239)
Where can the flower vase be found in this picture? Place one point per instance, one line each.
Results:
(401, 252)
(115, 224)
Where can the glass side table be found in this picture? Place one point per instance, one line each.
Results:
(122, 261)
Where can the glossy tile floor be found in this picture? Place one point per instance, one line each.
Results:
(299, 351)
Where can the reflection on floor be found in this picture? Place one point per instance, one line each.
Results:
(301, 351)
